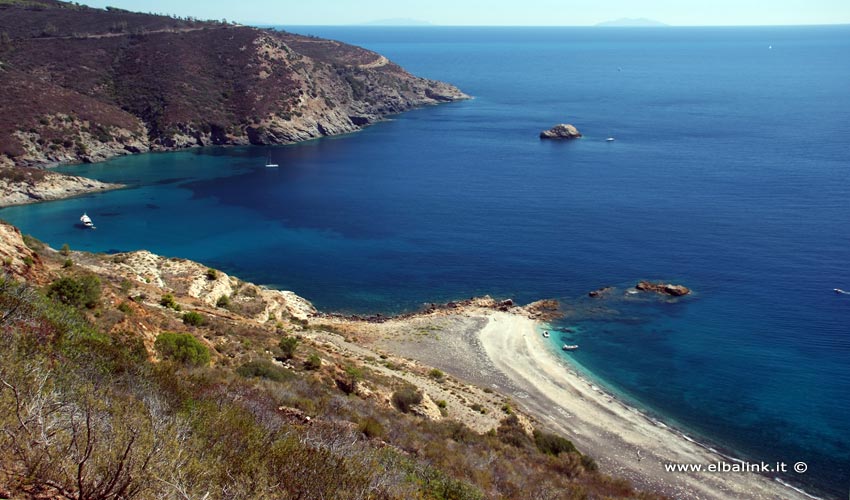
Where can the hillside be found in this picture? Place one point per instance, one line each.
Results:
(138, 376)
(83, 84)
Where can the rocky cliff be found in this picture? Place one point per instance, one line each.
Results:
(83, 84)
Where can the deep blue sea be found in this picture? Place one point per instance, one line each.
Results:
(730, 173)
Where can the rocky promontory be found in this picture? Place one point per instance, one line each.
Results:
(561, 131)
(19, 186)
(82, 84)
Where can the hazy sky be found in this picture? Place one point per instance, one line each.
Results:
(501, 12)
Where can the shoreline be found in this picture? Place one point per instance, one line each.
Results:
(597, 419)
(505, 351)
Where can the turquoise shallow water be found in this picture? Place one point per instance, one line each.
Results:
(730, 173)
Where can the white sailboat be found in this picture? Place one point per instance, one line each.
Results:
(86, 220)
(269, 163)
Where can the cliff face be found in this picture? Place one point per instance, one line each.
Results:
(83, 84)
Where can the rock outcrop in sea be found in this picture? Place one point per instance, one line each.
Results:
(663, 288)
(561, 131)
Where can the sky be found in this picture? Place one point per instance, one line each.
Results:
(500, 12)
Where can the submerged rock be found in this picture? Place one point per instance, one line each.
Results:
(600, 292)
(561, 131)
(663, 288)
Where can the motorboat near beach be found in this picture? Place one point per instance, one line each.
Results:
(86, 220)
(570, 347)
(545, 335)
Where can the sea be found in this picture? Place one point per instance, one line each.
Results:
(729, 173)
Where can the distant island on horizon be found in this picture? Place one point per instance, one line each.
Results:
(396, 21)
(631, 22)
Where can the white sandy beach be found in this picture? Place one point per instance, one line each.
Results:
(624, 441)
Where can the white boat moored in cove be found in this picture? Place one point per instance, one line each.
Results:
(570, 347)
(86, 220)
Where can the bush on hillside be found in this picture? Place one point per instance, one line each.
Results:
(552, 444)
(80, 292)
(262, 368)
(193, 319)
(314, 362)
(287, 346)
(183, 348)
(406, 397)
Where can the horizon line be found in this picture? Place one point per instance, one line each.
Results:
(425, 26)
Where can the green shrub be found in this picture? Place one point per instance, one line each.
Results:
(193, 318)
(511, 432)
(552, 444)
(126, 285)
(406, 397)
(167, 300)
(441, 403)
(65, 250)
(348, 382)
(223, 301)
(287, 346)
(125, 308)
(370, 427)
(28, 261)
(68, 263)
(183, 348)
(33, 243)
(436, 374)
(76, 292)
(314, 362)
(211, 274)
(263, 368)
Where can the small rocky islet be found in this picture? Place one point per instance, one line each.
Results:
(561, 131)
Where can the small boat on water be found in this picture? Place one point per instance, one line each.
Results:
(269, 163)
(843, 292)
(610, 139)
(570, 347)
(86, 220)
(545, 335)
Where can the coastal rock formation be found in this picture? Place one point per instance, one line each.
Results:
(562, 131)
(100, 83)
(663, 288)
(544, 310)
(17, 259)
(188, 278)
(21, 185)
(600, 292)
(427, 408)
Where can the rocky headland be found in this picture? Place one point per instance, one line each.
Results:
(83, 85)
(19, 186)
